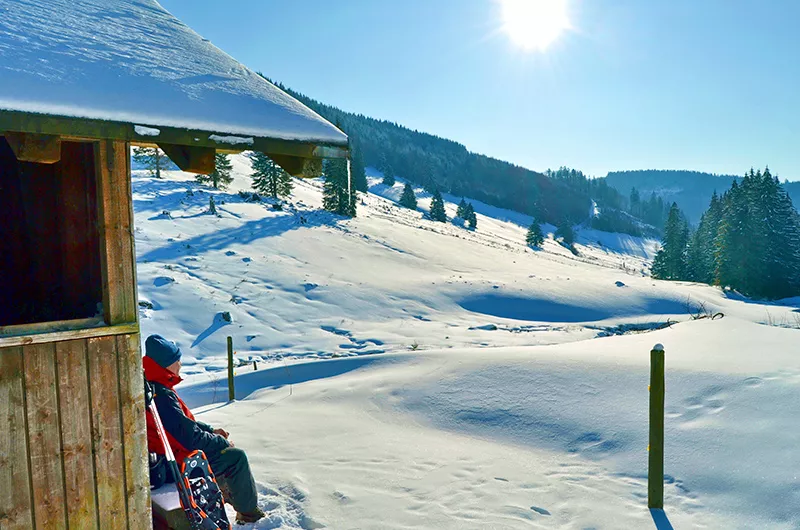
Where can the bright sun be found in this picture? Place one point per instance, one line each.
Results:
(534, 24)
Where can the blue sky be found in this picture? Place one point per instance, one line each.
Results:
(710, 85)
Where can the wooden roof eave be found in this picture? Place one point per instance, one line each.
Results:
(191, 150)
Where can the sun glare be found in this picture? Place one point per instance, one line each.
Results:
(534, 24)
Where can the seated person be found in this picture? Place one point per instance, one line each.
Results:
(162, 366)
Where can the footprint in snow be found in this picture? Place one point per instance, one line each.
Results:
(753, 381)
(540, 511)
(163, 280)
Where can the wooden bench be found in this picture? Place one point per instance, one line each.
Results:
(167, 511)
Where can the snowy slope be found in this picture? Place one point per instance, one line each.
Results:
(488, 405)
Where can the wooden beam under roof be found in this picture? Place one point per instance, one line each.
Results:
(31, 147)
(89, 129)
(193, 159)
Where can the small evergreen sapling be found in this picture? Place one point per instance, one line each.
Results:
(268, 177)
(221, 176)
(534, 238)
(408, 199)
(152, 159)
(437, 208)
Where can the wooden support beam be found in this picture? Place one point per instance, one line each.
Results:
(41, 148)
(118, 259)
(298, 166)
(193, 159)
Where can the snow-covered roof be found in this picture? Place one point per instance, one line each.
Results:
(131, 61)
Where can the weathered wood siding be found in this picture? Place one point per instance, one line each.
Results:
(73, 450)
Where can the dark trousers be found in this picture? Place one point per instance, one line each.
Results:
(232, 472)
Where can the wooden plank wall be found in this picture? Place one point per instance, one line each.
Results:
(16, 506)
(74, 450)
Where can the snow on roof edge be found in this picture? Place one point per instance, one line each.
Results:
(136, 63)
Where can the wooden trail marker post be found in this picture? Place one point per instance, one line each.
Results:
(655, 472)
(231, 390)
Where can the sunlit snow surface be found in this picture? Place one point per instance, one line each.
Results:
(513, 411)
(132, 61)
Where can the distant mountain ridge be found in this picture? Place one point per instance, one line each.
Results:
(691, 190)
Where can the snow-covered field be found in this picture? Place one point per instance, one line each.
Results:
(419, 375)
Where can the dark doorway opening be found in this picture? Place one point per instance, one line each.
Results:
(50, 266)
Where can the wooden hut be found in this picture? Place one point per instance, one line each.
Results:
(79, 83)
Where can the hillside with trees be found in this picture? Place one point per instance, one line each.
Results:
(691, 190)
(748, 239)
(437, 164)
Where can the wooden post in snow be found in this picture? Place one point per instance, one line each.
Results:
(655, 472)
(231, 391)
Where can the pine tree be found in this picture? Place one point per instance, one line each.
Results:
(461, 211)
(775, 247)
(221, 176)
(534, 237)
(635, 202)
(408, 199)
(437, 208)
(386, 168)
(268, 177)
(152, 159)
(670, 260)
(472, 219)
(701, 262)
(338, 195)
(357, 170)
(566, 234)
(731, 242)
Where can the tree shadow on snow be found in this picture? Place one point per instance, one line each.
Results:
(218, 323)
(660, 519)
(245, 233)
(209, 392)
(544, 310)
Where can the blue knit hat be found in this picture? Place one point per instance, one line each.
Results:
(163, 351)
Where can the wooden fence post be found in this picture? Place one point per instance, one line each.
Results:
(655, 472)
(231, 391)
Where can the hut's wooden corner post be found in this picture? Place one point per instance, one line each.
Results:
(655, 472)
(231, 391)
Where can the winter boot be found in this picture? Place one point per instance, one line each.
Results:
(251, 517)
